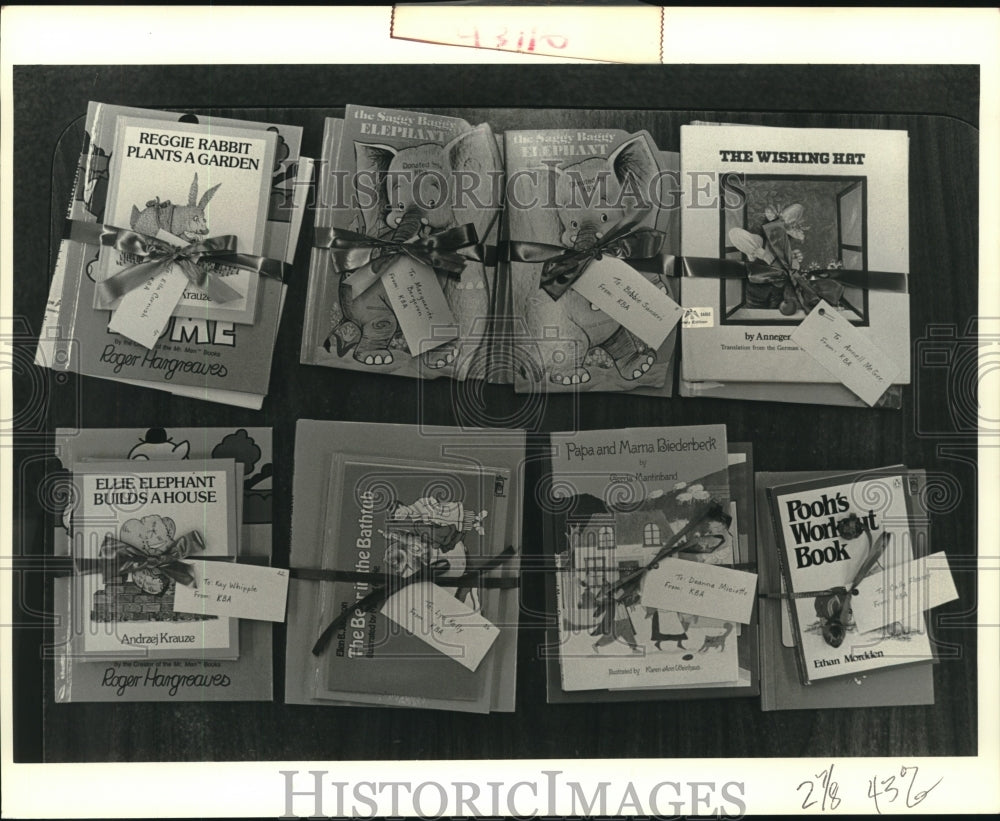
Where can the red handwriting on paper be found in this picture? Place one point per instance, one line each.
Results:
(886, 789)
(517, 40)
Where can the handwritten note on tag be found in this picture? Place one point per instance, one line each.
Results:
(421, 308)
(840, 348)
(700, 589)
(143, 312)
(629, 298)
(240, 591)
(903, 592)
(436, 617)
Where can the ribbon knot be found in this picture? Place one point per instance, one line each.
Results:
(351, 251)
(118, 558)
(156, 257)
(562, 267)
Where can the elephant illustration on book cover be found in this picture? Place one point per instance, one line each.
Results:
(421, 190)
(594, 197)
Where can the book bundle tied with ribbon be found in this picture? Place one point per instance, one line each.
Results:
(404, 572)
(850, 579)
(650, 580)
(178, 236)
(796, 253)
(589, 272)
(158, 526)
(403, 271)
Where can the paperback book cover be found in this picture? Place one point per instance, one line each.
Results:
(832, 533)
(424, 181)
(197, 677)
(618, 498)
(812, 214)
(192, 182)
(743, 528)
(398, 518)
(781, 687)
(574, 194)
(214, 359)
(133, 526)
(359, 508)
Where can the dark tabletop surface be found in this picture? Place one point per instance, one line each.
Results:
(934, 430)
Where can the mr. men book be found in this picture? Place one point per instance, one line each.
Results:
(191, 182)
(623, 501)
(795, 216)
(136, 527)
(832, 534)
(401, 519)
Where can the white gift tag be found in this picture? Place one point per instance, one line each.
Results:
(421, 308)
(144, 312)
(720, 593)
(240, 591)
(629, 298)
(840, 348)
(436, 617)
(901, 593)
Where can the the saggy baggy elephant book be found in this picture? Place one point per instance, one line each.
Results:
(196, 675)
(796, 216)
(576, 197)
(831, 534)
(216, 359)
(403, 273)
(616, 501)
(135, 529)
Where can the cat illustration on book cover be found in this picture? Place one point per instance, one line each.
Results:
(421, 190)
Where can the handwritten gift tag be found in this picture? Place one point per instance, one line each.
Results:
(902, 592)
(700, 589)
(840, 348)
(240, 591)
(143, 313)
(629, 298)
(424, 316)
(436, 617)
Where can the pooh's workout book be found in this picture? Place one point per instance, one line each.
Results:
(136, 527)
(403, 273)
(196, 674)
(831, 534)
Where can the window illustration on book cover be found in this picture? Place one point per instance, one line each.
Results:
(403, 277)
(794, 216)
(401, 518)
(625, 499)
(191, 182)
(816, 224)
(594, 201)
(831, 534)
(133, 527)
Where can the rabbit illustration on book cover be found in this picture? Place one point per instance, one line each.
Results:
(188, 222)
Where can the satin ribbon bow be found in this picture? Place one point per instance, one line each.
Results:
(156, 257)
(350, 251)
(118, 558)
(563, 267)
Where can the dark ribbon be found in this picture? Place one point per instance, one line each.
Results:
(386, 585)
(810, 287)
(350, 250)
(195, 260)
(563, 267)
(119, 559)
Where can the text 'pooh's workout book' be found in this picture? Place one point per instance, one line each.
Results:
(148, 506)
(627, 511)
(364, 520)
(797, 215)
(149, 183)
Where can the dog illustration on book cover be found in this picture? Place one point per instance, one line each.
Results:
(421, 190)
